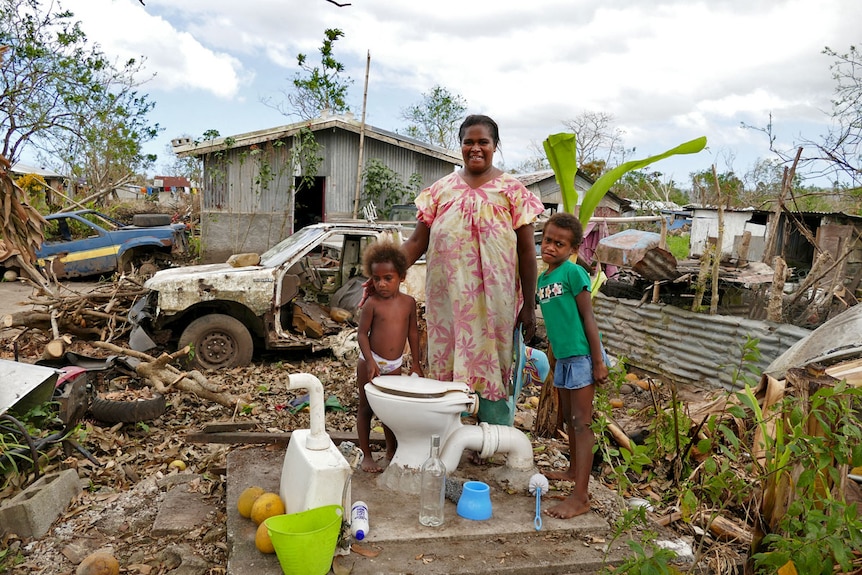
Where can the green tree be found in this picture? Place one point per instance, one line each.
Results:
(316, 89)
(385, 188)
(703, 189)
(65, 99)
(650, 185)
(436, 118)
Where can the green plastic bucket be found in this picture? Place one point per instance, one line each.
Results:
(305, 542)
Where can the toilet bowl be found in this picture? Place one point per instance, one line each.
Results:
(414, 408)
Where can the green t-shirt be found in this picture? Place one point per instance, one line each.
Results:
(557, 291)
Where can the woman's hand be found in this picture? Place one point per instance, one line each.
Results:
(527, 319)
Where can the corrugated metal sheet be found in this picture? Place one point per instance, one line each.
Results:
(684, 346)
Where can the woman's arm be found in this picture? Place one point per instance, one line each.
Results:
(417, 243)
(527, 272)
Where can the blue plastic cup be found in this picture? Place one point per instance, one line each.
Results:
(475, 501)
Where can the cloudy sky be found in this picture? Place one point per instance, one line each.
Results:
(667, 71)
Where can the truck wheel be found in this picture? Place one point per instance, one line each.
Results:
(151, 220)
(218, 341)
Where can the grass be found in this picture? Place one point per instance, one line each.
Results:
(678, 246)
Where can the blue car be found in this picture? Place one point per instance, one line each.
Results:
(87, 243)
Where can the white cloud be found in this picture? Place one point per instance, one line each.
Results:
(668, 71)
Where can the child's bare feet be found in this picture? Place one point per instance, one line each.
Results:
(568, 508)
(370, 466)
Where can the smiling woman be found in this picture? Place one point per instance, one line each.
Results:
(476, 230)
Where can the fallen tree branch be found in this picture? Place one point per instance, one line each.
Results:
(163, 376)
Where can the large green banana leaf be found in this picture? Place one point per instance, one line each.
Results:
(597, 191)
(562, 155)
(560, 151)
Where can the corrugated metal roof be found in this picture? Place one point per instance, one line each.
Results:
(687, 347)
(347, 123)
(19, 168)
(533, 177)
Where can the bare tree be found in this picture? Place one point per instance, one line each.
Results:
(598, 141)
(842, 146)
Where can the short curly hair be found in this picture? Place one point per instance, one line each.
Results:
(566, 221)
(381, 252)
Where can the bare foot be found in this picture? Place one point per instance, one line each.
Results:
(569, 508)
(370, 466)
(567, 475)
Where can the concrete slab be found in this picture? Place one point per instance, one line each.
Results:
(506, 543)
(182, 510)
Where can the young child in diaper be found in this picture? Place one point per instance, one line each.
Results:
(386, 323)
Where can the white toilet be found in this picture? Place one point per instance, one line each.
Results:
(414, 408)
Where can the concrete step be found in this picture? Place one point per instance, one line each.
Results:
(506, 543)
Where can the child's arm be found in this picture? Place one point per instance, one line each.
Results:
(413, 339)
(591, 330)
(365, 317)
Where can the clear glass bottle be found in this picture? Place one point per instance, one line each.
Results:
(433, 488)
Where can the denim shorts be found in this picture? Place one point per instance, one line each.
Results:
(576, 371)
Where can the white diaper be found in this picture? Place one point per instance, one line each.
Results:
(386, 365)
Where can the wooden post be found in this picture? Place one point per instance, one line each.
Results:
(716, 263)
(774, 308)
(662, 243)
(361, 140)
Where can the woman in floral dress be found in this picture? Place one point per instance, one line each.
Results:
(476, 230)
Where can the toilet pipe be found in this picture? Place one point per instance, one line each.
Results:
(318, 439)
(487, 440)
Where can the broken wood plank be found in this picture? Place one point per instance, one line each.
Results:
(237, 437)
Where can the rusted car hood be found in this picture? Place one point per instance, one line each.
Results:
(180, 288)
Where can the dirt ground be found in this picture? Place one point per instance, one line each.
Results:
(130, 463)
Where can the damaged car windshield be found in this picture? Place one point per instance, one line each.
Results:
(283, 250)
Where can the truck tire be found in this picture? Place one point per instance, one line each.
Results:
(218, 341)
(111, 411)
(151, 220)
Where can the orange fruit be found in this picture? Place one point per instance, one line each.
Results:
(247, 499)
(266, 506)
(262, 540)
(99, 563)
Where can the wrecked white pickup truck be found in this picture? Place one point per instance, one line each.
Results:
(285, 301)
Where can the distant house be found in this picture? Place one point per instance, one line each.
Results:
(544, 184)
(253, 194)
(51, 178)
(836, 233)
(675, 215)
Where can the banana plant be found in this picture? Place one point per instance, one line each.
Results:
(561, 152)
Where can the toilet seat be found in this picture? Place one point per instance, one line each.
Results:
(419, 387)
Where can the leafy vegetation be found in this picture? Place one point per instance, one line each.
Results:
(778, 469)
(66, 99)
(317, 88)
(436, 118)
(384, 187)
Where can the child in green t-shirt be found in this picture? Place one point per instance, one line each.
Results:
(564, 294)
